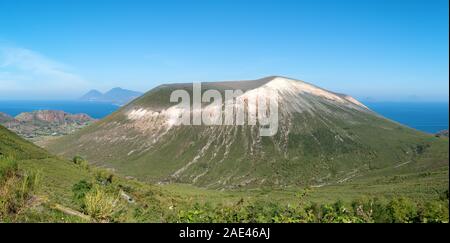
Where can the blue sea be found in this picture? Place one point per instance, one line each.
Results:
(426, 116)
(96, 110)
(429, 117)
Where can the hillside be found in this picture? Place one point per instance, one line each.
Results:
(5, 118)
(324, 138)
(36, 186)
(11, 145)
(44, 188)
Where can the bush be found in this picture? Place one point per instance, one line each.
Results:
(29, 183)
(366, 209)
(79, 191)
(77, 159)
(99, 204)
(371, 210)
(402, 210)
(104, 177)
(16, 188)
(338, 213)
(81, 162)
(434, 212)
(8, 167)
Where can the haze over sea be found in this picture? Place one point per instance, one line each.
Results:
(429, 117)
(96, 110)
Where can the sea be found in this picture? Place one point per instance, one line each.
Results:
(96, 110)
(430, 117)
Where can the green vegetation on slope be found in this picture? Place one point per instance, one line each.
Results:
(69, 193)
(39, 187)
(323, 142)
(52, 196)
(11, 145)
(314, 154)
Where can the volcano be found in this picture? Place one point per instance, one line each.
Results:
(322, 138)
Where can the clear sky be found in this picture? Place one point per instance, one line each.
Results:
(370, 49)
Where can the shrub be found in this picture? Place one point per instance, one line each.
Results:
(16, 188)
(77, 159)
(338, 213)
(434, 212)
(397, 210)
(81, 162)
(79, 191)
(402, 210)
(8, 167)
(443, 195)
(364, 209)
(99, 204)
(29, 183)
(104, 177)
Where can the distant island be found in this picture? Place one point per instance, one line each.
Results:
(116, 96)
(43, 123)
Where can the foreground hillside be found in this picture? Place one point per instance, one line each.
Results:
(324, 138)
(38, 187)
(12, 145)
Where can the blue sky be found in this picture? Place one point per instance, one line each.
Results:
(370, 49)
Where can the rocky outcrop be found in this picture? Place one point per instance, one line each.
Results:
(5, 118)
(47, 116)
(38, 124)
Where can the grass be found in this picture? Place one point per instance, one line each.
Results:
(187, 203)
(34, 185)
(16, 188)
(100, 204)
(313, 154)
(11, 145)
